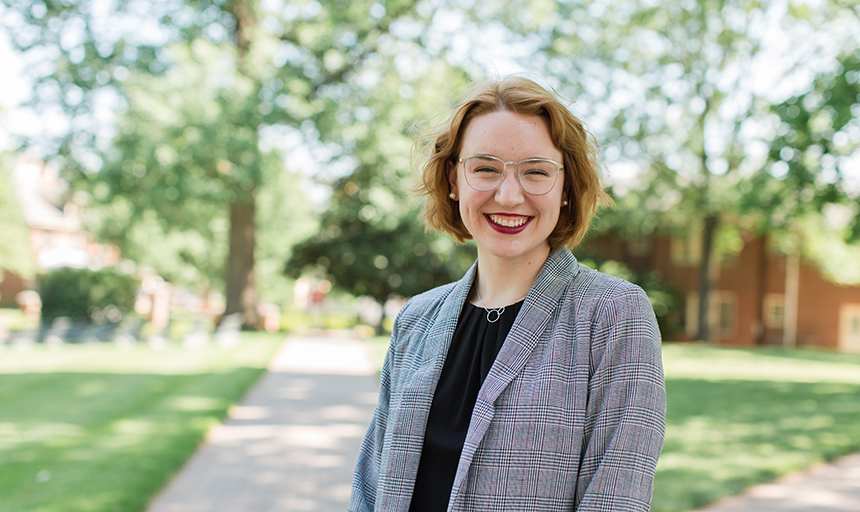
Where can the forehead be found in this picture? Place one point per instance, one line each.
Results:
(507, 135)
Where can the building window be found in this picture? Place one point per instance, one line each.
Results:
(686, 251)
(849, 328)
(639, 245)
(722, 314)
(725, 316)
(774, 310)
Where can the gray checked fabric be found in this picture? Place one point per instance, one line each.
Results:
(570, 417)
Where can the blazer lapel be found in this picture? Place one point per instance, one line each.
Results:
(543, 297)
(410, 421)
(541, 301)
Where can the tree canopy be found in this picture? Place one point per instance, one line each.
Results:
(680, 95)
(198, 125)
(200, 87)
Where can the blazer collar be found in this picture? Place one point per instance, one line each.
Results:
(543, 297)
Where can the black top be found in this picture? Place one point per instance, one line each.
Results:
(474, 347)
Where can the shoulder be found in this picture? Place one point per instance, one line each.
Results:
(608, 299)
(590, 282)
(563, 272)
(424, 306)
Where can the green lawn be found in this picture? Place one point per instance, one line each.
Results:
(93, 428)
(742, 417)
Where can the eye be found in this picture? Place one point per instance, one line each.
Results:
(485, 169)
(536, 172)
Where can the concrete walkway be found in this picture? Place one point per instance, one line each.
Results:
(291, 444)
(822, 488)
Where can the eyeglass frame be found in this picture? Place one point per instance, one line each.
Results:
(516, 172)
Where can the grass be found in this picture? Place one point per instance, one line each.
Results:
(92, 428)
(742, 417)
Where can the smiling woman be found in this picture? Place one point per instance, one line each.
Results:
(533, 383)
(494, 205)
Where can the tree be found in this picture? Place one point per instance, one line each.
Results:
(283, 64)
(677, 92)
(170, 170)
(802, 198)
(812, 152)
(371, 242)
(364, 259)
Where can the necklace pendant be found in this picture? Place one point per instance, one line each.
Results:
(493, 315)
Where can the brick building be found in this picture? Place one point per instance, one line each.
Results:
(57, 238)
(759, 298)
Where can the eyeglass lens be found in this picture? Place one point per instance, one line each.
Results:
(535, 176)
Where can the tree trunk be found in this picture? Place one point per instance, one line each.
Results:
(241, 289)
(706, 277)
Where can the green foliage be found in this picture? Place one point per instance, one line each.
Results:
(200, 91)
(810, 157)
(71, 292)
(364, 259)
(90, 427)
(370, 241)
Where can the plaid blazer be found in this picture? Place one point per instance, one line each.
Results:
(570, 417)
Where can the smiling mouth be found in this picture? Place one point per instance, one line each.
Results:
(508, 222)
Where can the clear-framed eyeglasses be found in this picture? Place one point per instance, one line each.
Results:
(536, 176)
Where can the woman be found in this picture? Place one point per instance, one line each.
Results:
(533, 383)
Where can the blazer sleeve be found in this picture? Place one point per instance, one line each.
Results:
(366, 476)
(626, 409)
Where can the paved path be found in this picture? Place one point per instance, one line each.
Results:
(292, 442)
(823, 488)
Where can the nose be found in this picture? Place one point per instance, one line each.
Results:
(509, 193)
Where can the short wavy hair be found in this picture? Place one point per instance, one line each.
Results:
(519, 95)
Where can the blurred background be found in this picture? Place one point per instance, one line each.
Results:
(255, 159)
(186, 172)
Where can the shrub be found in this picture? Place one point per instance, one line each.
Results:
(74, 293)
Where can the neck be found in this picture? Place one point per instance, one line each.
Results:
(503, 282)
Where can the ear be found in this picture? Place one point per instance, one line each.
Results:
(452, 179)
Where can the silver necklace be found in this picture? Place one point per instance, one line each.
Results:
(493, 315)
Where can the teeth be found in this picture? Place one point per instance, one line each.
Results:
(510, 222)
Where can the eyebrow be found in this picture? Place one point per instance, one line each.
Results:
(484, 155)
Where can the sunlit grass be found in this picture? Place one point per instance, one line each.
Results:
(94, 428)
(741, 417)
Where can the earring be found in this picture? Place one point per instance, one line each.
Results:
(564, 203)
(453, 196)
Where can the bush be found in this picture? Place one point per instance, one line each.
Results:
(74, 293)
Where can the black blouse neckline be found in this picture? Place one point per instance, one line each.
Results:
(473, 350)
